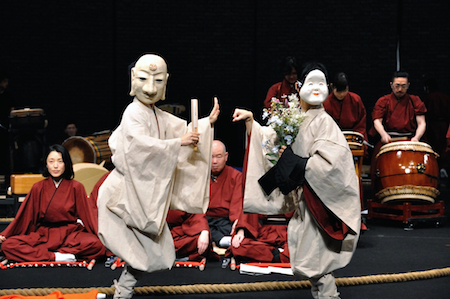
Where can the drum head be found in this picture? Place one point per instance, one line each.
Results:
(80, 150)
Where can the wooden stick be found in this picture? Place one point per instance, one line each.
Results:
(194, 117)
(233, 264)
(202, 264)
(91, 265)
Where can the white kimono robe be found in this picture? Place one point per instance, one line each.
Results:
(152, 173)
(330, 172)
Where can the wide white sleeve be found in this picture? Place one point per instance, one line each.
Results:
(255, 199)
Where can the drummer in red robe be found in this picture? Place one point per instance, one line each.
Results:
(261, 238)
(47, 226)
(226, 196)
(346, 107)
(397, 116)
(191, 236)
(438, 120)
(287, 86)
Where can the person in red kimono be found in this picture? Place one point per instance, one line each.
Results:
(47, 226)
(348, 111)
(191, 236)
(346, 107)
(397, 115)
(261, 238)
(438, 120)
(226, 196)
(287, 86)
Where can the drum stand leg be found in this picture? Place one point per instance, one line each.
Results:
(407, 213)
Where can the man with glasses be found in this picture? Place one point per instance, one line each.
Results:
(398, 115)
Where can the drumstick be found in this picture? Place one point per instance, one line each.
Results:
(202, 264)
(91, 265)
(194, 117)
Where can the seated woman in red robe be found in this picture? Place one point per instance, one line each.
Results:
(47, 226)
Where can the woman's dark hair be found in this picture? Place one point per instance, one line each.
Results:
(68, 172)
(311, 66)
(340, 82)
(288, 64)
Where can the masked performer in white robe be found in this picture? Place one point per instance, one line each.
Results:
(156, 168)
(316, 177)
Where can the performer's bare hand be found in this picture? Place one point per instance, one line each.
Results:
(238, 238)
(190, 138)
(214, 112)
(203, 241)
(241, 114)
(2, 238)
(281, 151)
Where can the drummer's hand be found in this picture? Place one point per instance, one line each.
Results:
(214, 112)
(415, 139)
(190, 138)
(281, 151)
(386, 138)
(2, 238)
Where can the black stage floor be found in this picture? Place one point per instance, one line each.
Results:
(387, 247)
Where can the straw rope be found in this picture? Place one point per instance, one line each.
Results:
(241, 287)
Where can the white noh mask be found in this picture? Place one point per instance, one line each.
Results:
(314, 90)
(148, 79)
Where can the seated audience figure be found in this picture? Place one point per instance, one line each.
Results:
(47, 226)
(287, 86)
(226, 195)
(191, 236)
(261, 238)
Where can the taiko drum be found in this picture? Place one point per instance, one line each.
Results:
(406, 171)
(91, 149)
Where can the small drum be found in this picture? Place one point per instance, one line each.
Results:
(27, 119)
(91, 149)
(406, 171)
(354, 139)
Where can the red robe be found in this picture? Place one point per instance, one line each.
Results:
(186, 229)
(47, 222)
(278, 90)
(226, 195)
(399, 115)
(261, 239)
(349, 114)
(438, 120)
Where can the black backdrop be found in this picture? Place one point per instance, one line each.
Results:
(71, 58)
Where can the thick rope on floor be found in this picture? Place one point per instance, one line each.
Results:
(241, 287)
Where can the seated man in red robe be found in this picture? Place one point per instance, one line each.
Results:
(261, 238)
(191, 236)
(226, 196)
